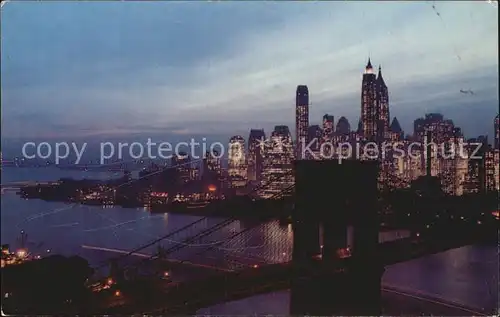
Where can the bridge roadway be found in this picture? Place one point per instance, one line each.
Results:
(190, 296)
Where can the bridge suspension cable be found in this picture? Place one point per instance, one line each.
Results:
(207, 232)
(237, 234)
(186, 227)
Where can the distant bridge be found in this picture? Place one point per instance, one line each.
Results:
(15, 186)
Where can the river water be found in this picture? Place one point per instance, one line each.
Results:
(467, 276)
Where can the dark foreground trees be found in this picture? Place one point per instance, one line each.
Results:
(52, 285)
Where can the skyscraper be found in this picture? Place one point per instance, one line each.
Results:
(440, 128)
(444, 136)
(383, 117)
(374, 105)
(369, 115)
(182, 163)
(327, 140)
(211, 166)
(315, 135)
(327, 127)
(301, 119)
(278, 162)
(256, 142)
(237, 170)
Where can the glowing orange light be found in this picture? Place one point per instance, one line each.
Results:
(166, 274)
(118, 293)
(212, 188)
(21, 253)
(255, 266)
(109, 281)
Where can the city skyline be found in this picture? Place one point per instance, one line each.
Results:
(72, 87)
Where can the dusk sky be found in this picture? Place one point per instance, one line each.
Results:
(86, 69)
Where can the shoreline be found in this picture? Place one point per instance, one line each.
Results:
(415, 302)
(231, 210)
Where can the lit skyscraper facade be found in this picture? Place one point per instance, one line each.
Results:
(212, 161)
(301, 119)
(211, 168)
(327, 127)
(475, 178)
(375, 115)
(315, 135)
(237, 169)
(182, 163)
(496, 168)
(327, 139)
(369, 115)
(489, 169)
(278, 162)
(383, 117)
(442, 131)
(255, 158)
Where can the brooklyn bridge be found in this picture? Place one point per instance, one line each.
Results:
(324, 273)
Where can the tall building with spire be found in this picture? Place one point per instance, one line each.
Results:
(383, 117)
(301, 119)
(369, 114)
(375, 115)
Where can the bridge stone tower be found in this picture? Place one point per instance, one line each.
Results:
(332, 196)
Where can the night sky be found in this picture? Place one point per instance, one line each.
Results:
(96, 69)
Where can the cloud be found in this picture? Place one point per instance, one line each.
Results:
(104, 70)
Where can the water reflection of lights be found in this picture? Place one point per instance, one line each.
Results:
(277, 241)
